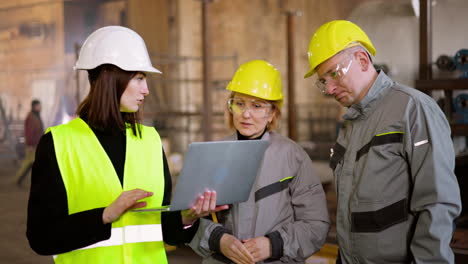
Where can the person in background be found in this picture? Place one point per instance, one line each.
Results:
(393, 160)
(33, 130)
(91, 172)
(285, 219)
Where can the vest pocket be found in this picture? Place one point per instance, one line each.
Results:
(378, 140)
(376, 221)
(390, 245)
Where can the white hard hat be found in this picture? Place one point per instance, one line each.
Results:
(115, 45)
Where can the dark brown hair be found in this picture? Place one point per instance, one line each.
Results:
(101, 108)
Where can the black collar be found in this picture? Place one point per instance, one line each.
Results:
(242, 137)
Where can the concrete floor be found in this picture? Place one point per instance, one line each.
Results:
(14, 247)
(13, 243)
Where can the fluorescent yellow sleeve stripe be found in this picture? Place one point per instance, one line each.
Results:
(388, 133)
(286, 178)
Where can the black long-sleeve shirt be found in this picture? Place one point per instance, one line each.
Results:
(51, 230)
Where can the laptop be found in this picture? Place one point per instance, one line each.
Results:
(228, 167)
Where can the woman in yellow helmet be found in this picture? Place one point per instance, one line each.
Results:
(285, 220)
(90, 172)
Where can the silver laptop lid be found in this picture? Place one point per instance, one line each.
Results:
(228, 167)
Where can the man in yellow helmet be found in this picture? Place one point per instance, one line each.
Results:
(393, 160)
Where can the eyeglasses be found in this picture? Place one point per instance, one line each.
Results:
(336, 73)
(256, 108)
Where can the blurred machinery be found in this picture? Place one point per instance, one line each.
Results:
(11, 145)
(458, 62)
(445, 63)
(461, 62)
(460, 105)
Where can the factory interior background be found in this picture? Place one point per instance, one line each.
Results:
(198, 45)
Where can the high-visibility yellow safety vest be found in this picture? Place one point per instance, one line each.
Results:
(91, 182)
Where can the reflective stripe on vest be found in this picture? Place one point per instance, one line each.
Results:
(91, 182)
(131, 234)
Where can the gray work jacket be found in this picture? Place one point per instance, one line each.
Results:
(287, 200)
(394, 170)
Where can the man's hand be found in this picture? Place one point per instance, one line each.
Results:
(232, 248)
(259, 248)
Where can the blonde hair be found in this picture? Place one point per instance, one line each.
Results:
(275, 121)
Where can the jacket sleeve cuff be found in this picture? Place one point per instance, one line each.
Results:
(215, 238)
(276, 245)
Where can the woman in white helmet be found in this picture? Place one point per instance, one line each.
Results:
(285, 219)
(91, 172)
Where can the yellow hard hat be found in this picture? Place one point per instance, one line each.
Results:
(257, 78)
(333, 37)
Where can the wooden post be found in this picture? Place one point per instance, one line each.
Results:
(292, 113)
(206, 58)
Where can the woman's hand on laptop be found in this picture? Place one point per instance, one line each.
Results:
(127, 200)
(204, 205)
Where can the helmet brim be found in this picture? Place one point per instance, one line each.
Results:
(309, 73)
(143, 69)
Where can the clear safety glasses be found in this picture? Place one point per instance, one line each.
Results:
(335, 74)
(256, 108)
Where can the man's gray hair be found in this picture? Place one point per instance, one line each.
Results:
(355, 46)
